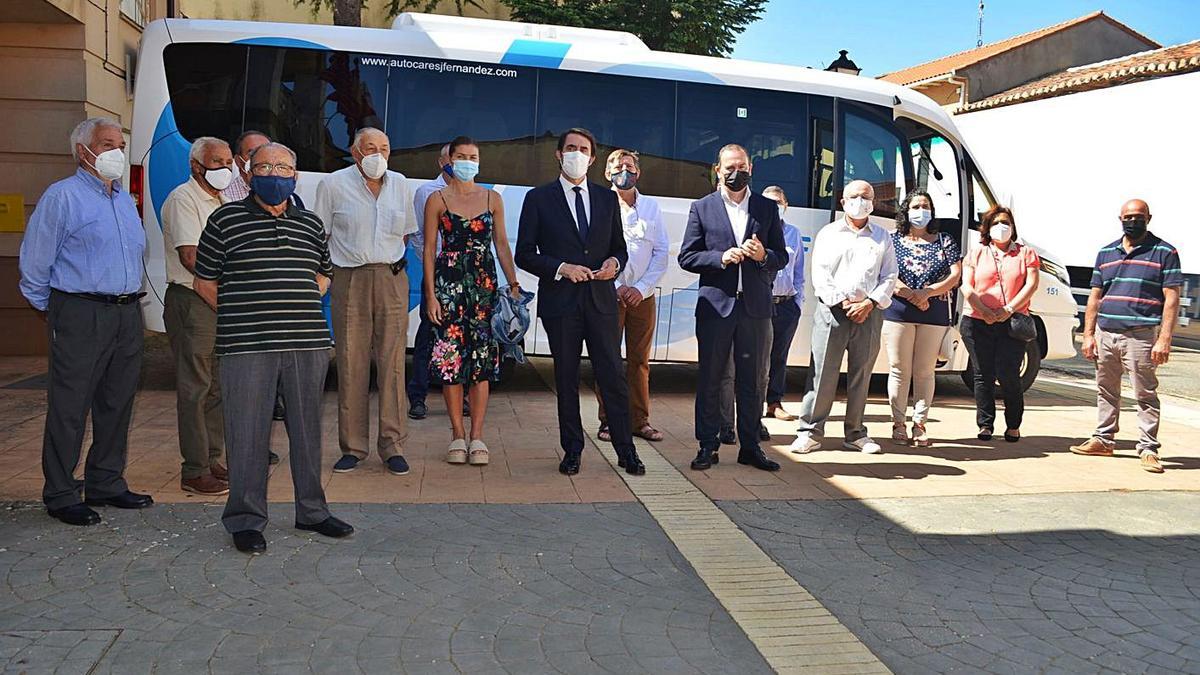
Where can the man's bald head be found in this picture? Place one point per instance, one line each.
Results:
(858, 188)
(1135, 207)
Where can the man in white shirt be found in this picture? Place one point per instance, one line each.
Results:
(191, 320)
(367, 212)
(418, 378)
(853, 274)
(245, 145)
(648, 246)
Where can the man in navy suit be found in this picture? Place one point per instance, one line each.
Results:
(571, 239)
(734, 241)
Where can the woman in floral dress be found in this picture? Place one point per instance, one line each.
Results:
(461, 291)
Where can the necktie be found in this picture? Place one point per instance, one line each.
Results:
(580, 213)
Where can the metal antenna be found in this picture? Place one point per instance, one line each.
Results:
(979, 37)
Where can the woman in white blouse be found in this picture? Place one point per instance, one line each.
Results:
(646, 239)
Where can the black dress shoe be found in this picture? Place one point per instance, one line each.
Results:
(417, 410)
(279, 412)
(763, 434)
(716, 456)
(128, 500)
(727, 437)
(75, 514)
(330, 527)
(757, 459)
(569, 466)
(632, 464)
(704, 460)
(272, 458)
(249, 541)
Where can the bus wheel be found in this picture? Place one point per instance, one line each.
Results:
(1031, 365)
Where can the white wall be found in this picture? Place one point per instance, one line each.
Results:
(1069, 162)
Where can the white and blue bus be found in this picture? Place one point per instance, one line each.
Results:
(515, 87)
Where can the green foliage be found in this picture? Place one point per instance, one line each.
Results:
(706, 27)
(394, 7)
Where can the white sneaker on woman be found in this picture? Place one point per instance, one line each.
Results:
(864, 444)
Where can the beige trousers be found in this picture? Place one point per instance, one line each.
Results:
(912, 350)
(1127, 352)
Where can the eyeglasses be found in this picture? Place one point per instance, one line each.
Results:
(283, 170)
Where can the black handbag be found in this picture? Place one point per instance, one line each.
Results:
(1020, 326)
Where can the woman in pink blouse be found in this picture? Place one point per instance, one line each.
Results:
(999, 279)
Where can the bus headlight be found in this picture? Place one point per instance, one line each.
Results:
(1057, 270)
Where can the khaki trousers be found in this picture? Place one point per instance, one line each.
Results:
(912, 350)
(192, 330)
(370, 318)
(638, 327)
(1127, 352)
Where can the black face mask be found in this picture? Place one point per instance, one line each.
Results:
(737, 180)
(1134, 227)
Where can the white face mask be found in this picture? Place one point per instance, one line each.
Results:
(219, 179)
(110, 164)
(374, 166)
(1001, 233)
(244, 165)
(574, 164)
(858, 207)
(919, 217)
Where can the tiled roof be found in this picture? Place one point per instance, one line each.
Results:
(1174, 60)
(949, 64)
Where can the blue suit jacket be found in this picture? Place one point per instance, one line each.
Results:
(709, 234)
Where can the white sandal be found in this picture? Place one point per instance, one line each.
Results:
(479, 453)
(457, 454)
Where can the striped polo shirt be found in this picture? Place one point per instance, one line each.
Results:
(1133, 283)
(266, 270)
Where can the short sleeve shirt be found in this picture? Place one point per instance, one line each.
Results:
(998, 276)
(1133, 283)
(184, 215)
(922, 264)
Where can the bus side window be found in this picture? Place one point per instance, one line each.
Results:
(821, 192)
(873, 153)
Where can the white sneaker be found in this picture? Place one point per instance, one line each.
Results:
(804, 444)
(865, 444)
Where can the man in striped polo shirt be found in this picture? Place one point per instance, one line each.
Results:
(1131, 316)
(264, 263)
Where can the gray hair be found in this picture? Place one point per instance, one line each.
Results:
(201, 145)
(854, 184)
(363, 132)
(272, 144)
(775, 190)
(85, 132)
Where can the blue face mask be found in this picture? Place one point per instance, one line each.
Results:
(465, 169)
(624, 180)
(273, 190)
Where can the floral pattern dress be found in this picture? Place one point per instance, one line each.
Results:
(464, 283)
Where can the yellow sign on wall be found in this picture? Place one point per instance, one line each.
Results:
(12, 213)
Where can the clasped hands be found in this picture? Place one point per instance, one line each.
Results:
(752, 248)
(580, 273)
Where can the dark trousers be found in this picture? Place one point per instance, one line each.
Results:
(418, 376)
(192, 328)
(995, 356)
(601, 332)
(247, 381)
(747, 338)
(95, 363)
(785, 317)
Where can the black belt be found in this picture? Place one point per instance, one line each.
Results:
(124, 299)
(780, 299)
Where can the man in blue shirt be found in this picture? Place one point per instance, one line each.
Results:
(787, 297)
(81, 263)
(1130, 319)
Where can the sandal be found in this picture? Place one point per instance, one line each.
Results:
(478, 455)
(899, 434)
(603, 434)
(920, 439)
(649, 433)
(457, 454)
(1012, 435)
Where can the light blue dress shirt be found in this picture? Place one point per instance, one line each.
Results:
(420, 196)
(80, 239)
(790, 279)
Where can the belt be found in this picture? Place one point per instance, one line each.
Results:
(780, 299)
(124, 299)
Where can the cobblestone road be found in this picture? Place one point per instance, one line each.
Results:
(1048, 583)
(418, 589)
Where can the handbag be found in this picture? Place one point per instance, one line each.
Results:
(1020, 326)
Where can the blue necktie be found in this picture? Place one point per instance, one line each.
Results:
(580, 213)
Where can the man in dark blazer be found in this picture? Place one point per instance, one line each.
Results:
(734, 241)
(571, 239)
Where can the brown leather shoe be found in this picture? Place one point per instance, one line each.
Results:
(218, 471)
(204, 485)
(1150, 463)
(1093, 447)
(779, 413)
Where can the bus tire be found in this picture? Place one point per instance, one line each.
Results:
(1030, 368)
